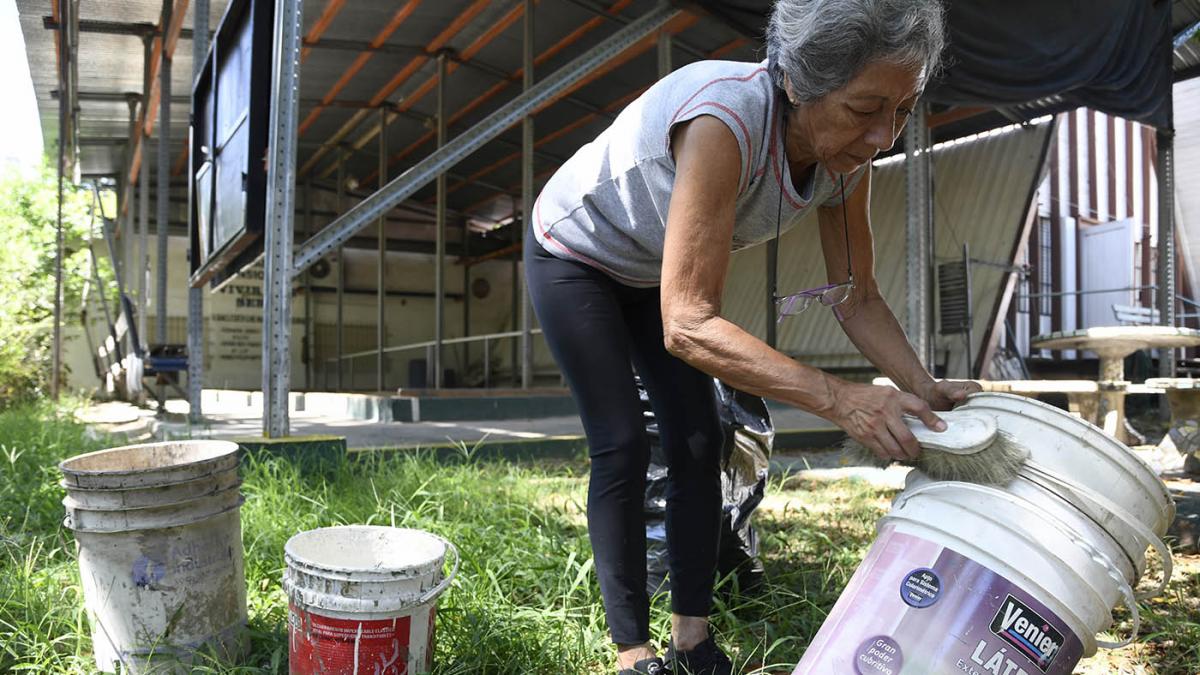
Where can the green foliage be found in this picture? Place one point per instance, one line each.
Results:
(525, 600)
(28, 228)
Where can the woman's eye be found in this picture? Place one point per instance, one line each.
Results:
(862, 112)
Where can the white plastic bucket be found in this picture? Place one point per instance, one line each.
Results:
(160, 552)
(1083, 453)
(966, 577)
(1013, 580)
(363, 599)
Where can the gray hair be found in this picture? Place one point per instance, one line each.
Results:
(823, 44)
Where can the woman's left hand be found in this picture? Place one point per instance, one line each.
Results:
(945, 394)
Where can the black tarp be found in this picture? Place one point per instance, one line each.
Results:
(1110, 55)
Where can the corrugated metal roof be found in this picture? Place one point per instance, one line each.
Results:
(982, 189)
(1187, 175)
(1185, 19)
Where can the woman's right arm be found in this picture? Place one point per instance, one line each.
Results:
(695, 262)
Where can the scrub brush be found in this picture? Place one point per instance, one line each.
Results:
(972, 449)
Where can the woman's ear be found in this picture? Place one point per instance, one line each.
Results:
(789, 91)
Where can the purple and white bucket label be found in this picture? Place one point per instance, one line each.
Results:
(915, 607)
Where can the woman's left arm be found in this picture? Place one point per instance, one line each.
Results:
(866, 317)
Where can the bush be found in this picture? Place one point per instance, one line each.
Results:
(28, 224)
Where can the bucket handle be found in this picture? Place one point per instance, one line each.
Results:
(1094, 553)
(445, 583)
(1132, 523)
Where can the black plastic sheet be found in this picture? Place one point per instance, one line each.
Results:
(1111, 55)
(749, 434)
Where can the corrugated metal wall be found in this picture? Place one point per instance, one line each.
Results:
(982, 189)
(1187, 177)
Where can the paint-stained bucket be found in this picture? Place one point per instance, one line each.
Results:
(363, 599)
(1012, 580)
(160, 553)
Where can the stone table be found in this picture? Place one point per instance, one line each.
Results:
(1112, 344)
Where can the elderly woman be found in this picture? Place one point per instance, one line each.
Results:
(633, 239)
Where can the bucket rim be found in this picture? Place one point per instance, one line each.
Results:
(70, 524)
(291, 556)
(64, 465)
(70, 487)
(182, 502)
(1110, 446)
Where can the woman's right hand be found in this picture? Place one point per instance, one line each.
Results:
(873, 416)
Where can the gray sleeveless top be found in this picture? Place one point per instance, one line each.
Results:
(607, 205)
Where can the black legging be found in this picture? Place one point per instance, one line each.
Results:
(597, 330)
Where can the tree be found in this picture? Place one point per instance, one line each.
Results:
(28, 221)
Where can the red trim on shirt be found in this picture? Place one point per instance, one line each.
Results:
(549, 238)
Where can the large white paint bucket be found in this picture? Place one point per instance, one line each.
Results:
(1015, 580)
(160, 552)
(363, 599)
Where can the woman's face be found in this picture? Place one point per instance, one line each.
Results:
(849, 126)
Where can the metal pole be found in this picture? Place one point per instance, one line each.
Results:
(281, 187)
(970, 313)
(439, 254)
(143, 260)
(380, 276)
(309, 350)
(664, 54)
(1166, 242)
(772, 279)
(527, 198)
(466, 255)
(916, 163)
(63, 101)
(163, 198)
(129, 214)
(442, 159)
(339, 333)
(195, 320)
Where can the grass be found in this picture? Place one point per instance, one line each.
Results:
(525, 601)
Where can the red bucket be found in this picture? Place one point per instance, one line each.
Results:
(363, 599)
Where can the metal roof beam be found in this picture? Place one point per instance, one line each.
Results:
(493, 125)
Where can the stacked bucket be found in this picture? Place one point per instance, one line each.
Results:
(160, 552)
(1013, 580)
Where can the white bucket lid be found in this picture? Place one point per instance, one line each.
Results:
(366, 552)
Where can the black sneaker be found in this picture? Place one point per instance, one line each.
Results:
(654, 666)
(705, 658)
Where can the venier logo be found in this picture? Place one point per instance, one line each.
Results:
(1024, 629)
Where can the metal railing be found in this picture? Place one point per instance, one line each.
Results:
(429, 346)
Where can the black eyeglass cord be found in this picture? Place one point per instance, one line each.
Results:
(779, 216)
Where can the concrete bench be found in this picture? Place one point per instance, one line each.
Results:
(1183, 436)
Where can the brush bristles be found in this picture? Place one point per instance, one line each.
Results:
(997, 464)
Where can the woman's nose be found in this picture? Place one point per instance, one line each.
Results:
(882, 134)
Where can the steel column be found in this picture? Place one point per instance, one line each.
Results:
(126, 211)
(281, 186)
(527, 199)
(163, 196)
(451, 153)
(439, 255)
(143, 261)
(195, 317)
(1165, 268)
(664, 54)
(339, 332)
(63, 102)
(772, 253)
(381, 276)
(916, 169)
(466, 255)
(309, 350)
